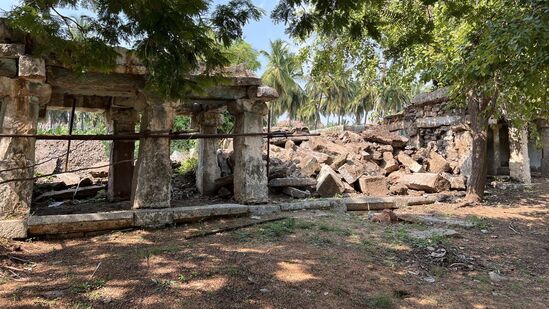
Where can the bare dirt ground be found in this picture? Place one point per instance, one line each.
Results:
(309, 260)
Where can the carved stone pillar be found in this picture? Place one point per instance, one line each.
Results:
(544, 131)
(495, 161)
(152, 174)
(121, 121)
(20, 102)
(208, 170)
(250, 175)
(519, 161)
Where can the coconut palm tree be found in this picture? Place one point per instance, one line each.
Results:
(282, 72)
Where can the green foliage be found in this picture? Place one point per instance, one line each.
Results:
(182, 123)
(171, 37)
(282, 73)
(188, 165)
(241, 52)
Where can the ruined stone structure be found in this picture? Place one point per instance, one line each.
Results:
(29, 86)
(431, 119)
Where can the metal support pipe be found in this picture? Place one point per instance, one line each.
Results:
(71, 124)
(137, 136)
(268, 141)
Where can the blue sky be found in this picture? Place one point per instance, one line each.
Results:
(257, 33)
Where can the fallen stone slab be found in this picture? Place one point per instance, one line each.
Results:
(385, 137)
(434, 232)
(65, 224)
(319, 143)
(351, 171)
(69, 194)
(408, 162)
(296, 193)
(195, 213)
(309, 166)
(373, 185)
(292, 182)
(428, 182)
(329, 183)
(369, 203)
(445, 220)
(334, 204)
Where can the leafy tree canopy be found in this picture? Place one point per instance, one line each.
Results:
(171, 37)
(241, 52)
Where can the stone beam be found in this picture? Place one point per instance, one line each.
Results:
(544, 132)
(151, 186)
(495, 161)
(250, 176)
(94, 84)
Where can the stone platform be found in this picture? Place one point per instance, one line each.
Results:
(79, 225)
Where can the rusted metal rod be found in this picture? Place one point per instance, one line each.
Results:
(71, 124)
(137, 136)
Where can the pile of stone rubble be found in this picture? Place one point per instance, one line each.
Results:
(374, 162)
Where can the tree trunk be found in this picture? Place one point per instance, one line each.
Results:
(358, 117)
(479, 129)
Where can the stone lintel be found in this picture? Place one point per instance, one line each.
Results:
(32, 68)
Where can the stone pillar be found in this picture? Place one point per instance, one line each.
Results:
(495, 161)
(250, 174)
(208, 170)
(122, 121)
(20, 102)
(544, 132)
(151, 186)
(519, 161)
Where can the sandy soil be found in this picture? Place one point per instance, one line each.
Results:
(83, 154)
(309, 260)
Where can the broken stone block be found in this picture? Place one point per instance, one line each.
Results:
(32, 68)
(389, 164)
(350, 137)
(437, 164)
(290, 145)
(296, 193)
(428, 182)
(385, 137)
(339, 161)
(309, 166)
(8, 67)
(319, 143)
(372, 169)
(373, 185)
(377, 155)
(13, 229)
(398, 189)
(348, 188)
(69, 194)
(386, 216)
(12, 50)
(457, 182)
(351, 171)
(408, 162)
(329, 183)
(292, 182)
(69, 179)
